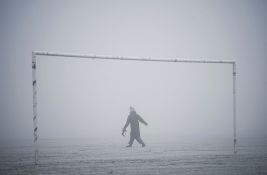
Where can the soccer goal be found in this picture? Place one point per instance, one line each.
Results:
(35, 55)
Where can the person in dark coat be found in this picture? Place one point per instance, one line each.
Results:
(134, 119)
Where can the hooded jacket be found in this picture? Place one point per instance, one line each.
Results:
(134, 119)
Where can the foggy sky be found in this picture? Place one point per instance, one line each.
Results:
(91, 98)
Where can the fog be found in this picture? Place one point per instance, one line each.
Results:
(92, 97)
(84, 98)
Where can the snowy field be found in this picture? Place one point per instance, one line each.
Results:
(110, 157)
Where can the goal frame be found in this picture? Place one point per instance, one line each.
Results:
(35, 54)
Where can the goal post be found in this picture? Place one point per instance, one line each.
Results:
(174, 60)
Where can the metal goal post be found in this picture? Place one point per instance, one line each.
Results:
(174, 60)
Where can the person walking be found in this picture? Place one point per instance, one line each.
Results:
(134, 119)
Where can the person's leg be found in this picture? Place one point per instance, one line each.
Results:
(139, 140)
(131, 141)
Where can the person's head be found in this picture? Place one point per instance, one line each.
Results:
(132, 109)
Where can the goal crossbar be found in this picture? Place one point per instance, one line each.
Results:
(104, 57)
(101, 57)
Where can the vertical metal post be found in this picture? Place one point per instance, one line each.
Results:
(234, 106)
(34, 92)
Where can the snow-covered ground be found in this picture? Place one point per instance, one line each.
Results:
(110, 157)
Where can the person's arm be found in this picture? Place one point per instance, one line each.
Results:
(142, 120)
(126, 124)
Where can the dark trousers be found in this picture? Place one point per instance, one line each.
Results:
(138, 139)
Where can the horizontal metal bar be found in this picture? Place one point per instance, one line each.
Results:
(133, 58)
